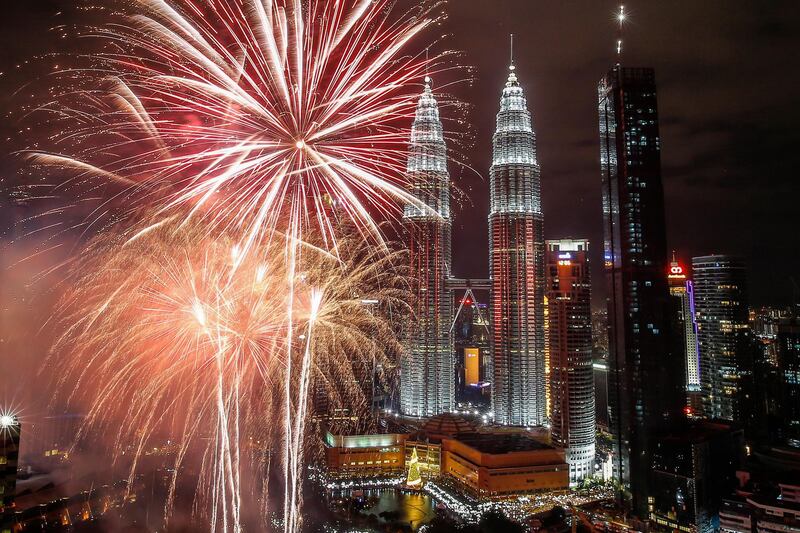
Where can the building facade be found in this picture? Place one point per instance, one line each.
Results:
(569, 353)
(646, 379)
(490, 466)
(516, 265)
(693, 469)
(720, 286)
(472, 341)
(427, 375)
(763, 512)
(365, 456)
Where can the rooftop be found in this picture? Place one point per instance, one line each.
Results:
(448, 424)
(500, 443)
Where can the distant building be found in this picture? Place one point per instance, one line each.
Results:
(788, 359)
(720, 284)
(9, 456)
(600, 373)
(365, 456)
(472, 341)
(569, 353)
(693, 469)
(482, 464)
(646, 379)
(427, 369)
(685, 329)
(490, 466)
(764, 323)
(763, 512)
(516, 265)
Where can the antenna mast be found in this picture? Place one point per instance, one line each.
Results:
(621, 20)
(511, 64)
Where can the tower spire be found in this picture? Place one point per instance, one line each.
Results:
(511, 63)
(427, 77)
(621, 20)
(512, 77)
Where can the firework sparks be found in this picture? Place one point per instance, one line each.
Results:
(163, 337)
(235, 130)
(251, 115)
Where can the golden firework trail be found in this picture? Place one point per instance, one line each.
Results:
(222, 145)
(173, 332)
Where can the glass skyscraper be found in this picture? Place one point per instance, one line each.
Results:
(516, 265)
(427, 379)
(646, 378)
(720, 288)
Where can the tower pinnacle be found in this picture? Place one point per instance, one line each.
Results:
(621, 19)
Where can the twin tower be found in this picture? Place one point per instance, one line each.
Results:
(516, 264)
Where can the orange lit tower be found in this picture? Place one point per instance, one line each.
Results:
(569, 339)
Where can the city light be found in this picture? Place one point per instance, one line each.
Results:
(235, 243)
(8, 421)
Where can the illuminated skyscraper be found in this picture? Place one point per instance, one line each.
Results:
(569, 343)
(427, 378)
(516, 265)
(645, 389)
(720, 283)
(682, 290)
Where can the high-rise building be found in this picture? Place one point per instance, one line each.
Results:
(685, 329)
(516, 265)
(720, 287)
(693, 468)
(645, 387)
(788, 348)
(569, 351)
(9, 454)
(427, 378)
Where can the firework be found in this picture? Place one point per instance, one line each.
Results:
(222, 145)
(251, 115)
(174, 333)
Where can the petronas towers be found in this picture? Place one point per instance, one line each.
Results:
(516, 267)
(427, 368)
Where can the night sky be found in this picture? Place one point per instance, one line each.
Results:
(728, 77)
(727, 74)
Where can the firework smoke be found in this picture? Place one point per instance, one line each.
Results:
(214, 141)
(162, 336)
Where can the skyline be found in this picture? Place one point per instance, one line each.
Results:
(237, 238)
(711, 63)
(708, 68)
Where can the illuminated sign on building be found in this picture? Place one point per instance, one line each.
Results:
(676, 271)
(472, 366)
